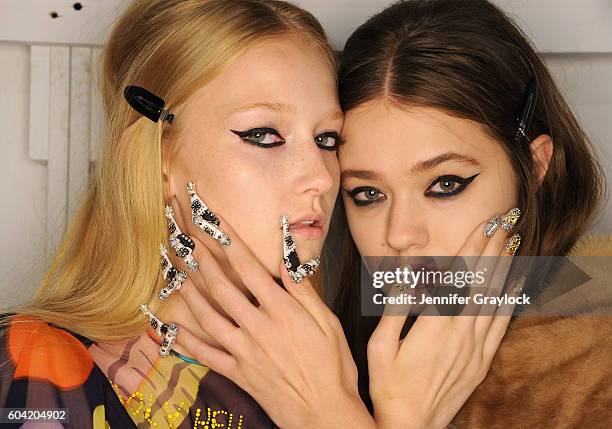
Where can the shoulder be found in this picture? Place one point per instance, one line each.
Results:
(596, 244)
(37, 351)
(554, 359)
(548, 372)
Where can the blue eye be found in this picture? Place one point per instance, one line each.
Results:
(328, 140)
(447, 186)
(262, 137)
(366, 195)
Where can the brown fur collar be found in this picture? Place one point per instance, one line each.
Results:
(552, 371)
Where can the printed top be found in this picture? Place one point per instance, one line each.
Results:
(46, 366)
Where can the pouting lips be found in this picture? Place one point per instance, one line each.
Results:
(306, 224)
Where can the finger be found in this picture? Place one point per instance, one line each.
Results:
(211, 278)
(466, 260)
(495, 261)
(502, 318)
(209, 356)
(218, 327)
(305, 294)
(385, 340)
(485, 265)
(494, 290)
(251, 272)
(473, 246)
(223, 291)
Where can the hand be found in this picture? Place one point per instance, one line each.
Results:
(423, 380)
(289, 352)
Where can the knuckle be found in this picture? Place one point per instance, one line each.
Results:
(374, 347)
(215, 283)
(335, 324)
(259, 330)
(243, 264)
(303, 288)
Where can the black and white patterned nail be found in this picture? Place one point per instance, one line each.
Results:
(167, 332)
(297, 271)
(204, 218)
(174, 278)
(182, 244)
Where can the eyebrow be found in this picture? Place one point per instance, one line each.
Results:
(428, 164)
(420, 166)
(281, 108)
(275, 107)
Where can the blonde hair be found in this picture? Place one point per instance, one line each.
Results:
(108, 262)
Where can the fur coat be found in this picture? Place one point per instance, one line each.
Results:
(554, 371)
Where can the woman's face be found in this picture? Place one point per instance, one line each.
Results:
(258, 141)
(416, 181)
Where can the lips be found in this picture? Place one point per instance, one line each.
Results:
(309, 226)
(305, 224)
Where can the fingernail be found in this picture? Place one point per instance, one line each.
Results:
(296, 270)
(519, 285)
(168, 332)
(182, 244)
(290, 256)
(491, 226)
(205, 219)
(513, 244)
(174, 278)
(510, 219)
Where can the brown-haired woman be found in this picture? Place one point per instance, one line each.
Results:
(440, 134)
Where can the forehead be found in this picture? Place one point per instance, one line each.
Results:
(285, 69)
(378, 131)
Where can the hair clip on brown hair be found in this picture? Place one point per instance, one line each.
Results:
(147, 104)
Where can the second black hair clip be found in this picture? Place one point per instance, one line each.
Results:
(527, 110)
(147, 104)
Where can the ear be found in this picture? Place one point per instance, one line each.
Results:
(541, 151)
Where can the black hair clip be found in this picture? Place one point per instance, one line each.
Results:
(148, 104)
(527, 108)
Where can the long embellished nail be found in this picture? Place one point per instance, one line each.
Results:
(513, 244)
(403, 287)
(510, 219)
(519, 285)
(168, 332)
(297, 271)
(174, 278)
(204, 218)
(182, 244)
(491, 226)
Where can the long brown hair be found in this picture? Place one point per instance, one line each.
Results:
(471, 61)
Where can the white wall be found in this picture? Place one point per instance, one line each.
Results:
(22, 183)
(586, 81)
(50, 121)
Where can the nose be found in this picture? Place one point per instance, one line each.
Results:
(317, 170)
(407, 232)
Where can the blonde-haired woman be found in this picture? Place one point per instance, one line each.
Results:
(242, 144)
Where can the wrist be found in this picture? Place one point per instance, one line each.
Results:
(406, 418)
(349, 412)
